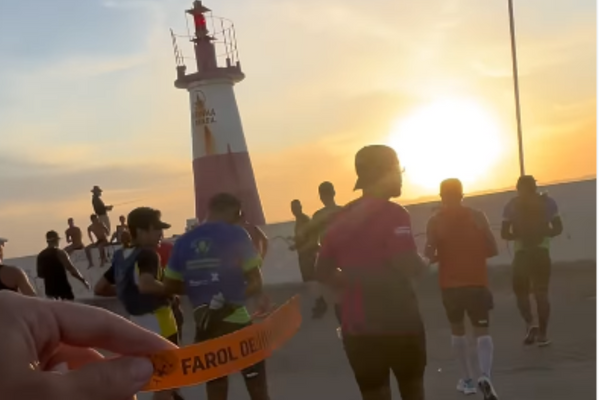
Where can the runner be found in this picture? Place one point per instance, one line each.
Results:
(319, 223)
(530, 220)
(262, 303)
(460, 240)
(100, 209)
(53, 264)
(122, 227)
(74, 237)
(307, 246)
(370, 255)
(217, 266)
(101, 231)
(135, 277)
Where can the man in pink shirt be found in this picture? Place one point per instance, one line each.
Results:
(369, 255)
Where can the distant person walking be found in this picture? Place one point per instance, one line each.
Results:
(100, 209)
(530, 220)
(306, 243)
(53, 264)
(370, 255)
(318, 225)
(460, 240)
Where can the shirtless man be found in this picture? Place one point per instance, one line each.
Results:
(74, 237)
(13, 278)
(117, 237)
(101, 232)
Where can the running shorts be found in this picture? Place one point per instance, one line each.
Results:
(222, 328)
(475, 301)
(372, 357)
(531, 270)
(161, 322)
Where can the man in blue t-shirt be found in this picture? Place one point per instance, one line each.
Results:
(530, 220)
(218, 267)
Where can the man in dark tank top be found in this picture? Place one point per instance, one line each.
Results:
(52, 266)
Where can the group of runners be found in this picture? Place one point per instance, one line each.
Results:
(362, 255)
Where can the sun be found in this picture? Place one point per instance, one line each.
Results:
(451, 138)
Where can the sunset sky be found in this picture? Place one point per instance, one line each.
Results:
(87, 98)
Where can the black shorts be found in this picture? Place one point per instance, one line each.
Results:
(475, 301)
(307, 263)
(223, 328)
(372, 358)
(531, 271)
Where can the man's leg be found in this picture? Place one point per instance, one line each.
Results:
(88, 255)
(255, 378)
(540, 281)
(455, 312)
(370, 366)
(480, 304)
(521, 288)
(102, 250)
(69, 249)
(408, 358)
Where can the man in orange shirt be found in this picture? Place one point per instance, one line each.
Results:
(460, 240)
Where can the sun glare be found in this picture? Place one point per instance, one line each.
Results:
(447, 139)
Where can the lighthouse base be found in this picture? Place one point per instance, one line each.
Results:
(230, 173)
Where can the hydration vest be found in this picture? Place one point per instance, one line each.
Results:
(135, 303)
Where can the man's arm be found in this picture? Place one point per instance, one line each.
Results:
(39, 269)
(23, 284)
(68, 236)
(556, 224)
(264, 242)
(106, 284)
(506, 232)
(148, 264)
(251, 262)
(65, 260)
(431, 242)
(173, 279)
(400, 243)
(484, 224)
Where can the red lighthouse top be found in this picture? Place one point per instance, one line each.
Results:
(215, 51)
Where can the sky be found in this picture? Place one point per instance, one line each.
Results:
(87, 98)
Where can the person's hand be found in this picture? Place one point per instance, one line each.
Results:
(109, 208)
(39, 336)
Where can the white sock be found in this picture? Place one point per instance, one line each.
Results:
(461, 347)
(485, 352)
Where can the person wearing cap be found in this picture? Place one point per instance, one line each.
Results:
(218, 267)
(100, 209)
(530, 220)
(369, 254)
(460, 240)
(135, 277)
(52, 265)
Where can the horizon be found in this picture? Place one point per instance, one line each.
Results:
(95, 101)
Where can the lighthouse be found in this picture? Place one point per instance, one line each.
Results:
(221, 161)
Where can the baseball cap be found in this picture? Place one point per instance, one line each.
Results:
(145, 218)
(372, 163)
(451, 185)
(52, 235)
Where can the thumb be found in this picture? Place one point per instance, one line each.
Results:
(116, 379)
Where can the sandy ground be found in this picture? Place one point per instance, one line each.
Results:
(313, 366)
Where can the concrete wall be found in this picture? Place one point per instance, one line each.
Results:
(576, 200)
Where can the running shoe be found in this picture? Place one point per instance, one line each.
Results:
(486, 387)
(531, 336)
(466, 386)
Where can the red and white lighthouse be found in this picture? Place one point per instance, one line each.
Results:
(221, 159)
